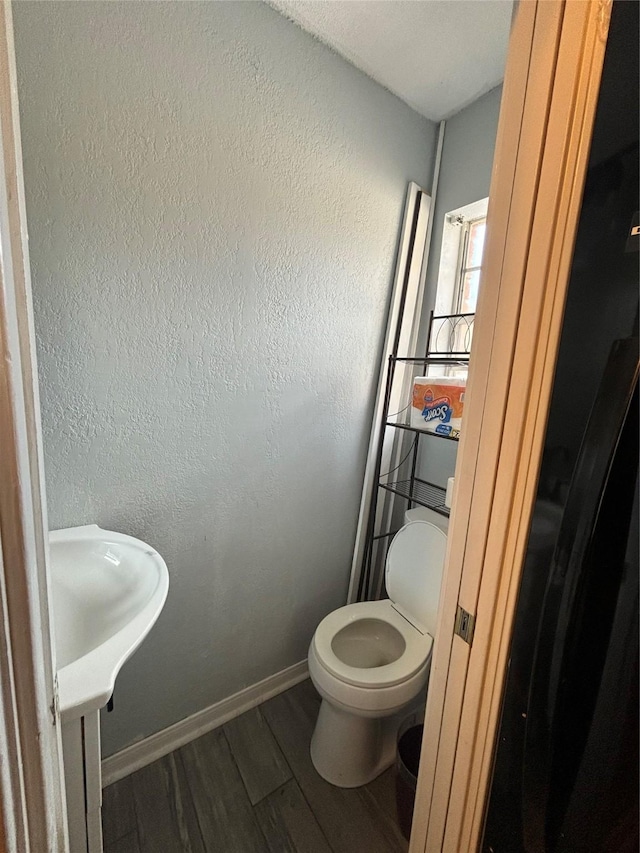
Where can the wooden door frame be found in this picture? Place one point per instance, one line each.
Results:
(32, 799)
(550, 92)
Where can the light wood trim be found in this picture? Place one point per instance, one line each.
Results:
(529, 245)
(557, 210)
(440, 727)
(31, 785)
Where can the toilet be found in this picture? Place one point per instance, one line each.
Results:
(370, 661)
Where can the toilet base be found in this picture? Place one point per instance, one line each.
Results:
(349, 751)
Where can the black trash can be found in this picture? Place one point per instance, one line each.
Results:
(407, 762)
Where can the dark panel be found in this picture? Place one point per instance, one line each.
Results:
(258, 756)
(118, 812)
(126, 844)
(288, 823)
(221, 802)
(164, 810)
(195, 800)
(383, 792)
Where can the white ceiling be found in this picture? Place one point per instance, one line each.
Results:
(437, 55)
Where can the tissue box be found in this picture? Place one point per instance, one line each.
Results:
(437, 404)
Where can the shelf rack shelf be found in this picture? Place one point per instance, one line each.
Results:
(419, 492)
(449, 345)
(410, 428)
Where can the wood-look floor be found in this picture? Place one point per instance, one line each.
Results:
(250, 787)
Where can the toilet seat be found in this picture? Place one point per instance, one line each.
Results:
(416, 652)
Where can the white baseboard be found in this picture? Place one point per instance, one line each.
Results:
(146, 751)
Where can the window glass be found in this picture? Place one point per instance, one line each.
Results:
(469, 292)
(476, 243)
(472, 247)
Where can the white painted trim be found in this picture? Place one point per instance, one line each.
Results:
(32, 799)
(138, 755)
(409, 325)
(400, 335)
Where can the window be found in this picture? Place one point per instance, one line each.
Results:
(470, 262)
(461, 251)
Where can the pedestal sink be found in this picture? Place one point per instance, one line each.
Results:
(108, 590)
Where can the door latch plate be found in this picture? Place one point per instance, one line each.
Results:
(465, 625)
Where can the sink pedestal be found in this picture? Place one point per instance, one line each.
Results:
(83, 782)
(108, 590)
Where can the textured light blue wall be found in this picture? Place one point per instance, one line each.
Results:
(213, 200)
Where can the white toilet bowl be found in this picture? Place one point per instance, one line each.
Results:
(370, 661)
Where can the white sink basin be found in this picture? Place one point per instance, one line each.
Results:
(108, 590)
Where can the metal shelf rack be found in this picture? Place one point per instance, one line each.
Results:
(449, 343)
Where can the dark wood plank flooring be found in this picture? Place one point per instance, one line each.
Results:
(250, 787)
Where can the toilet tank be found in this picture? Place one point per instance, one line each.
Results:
(422, 513)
